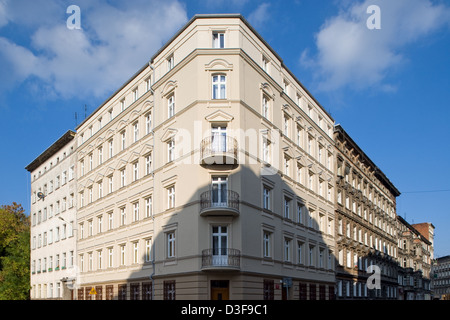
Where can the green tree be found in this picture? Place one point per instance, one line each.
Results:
(14, 253)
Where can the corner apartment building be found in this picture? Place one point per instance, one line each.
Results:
(208, 175)
(53, 217)
(414, 256)
(366, 228)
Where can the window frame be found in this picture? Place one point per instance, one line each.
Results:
(218, 39)
(216, 86)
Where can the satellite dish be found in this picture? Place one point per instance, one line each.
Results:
(41, 195)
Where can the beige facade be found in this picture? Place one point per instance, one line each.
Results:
(53, 218)
(208, 175)
(212, 173)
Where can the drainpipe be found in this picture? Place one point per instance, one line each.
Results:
(153, 176)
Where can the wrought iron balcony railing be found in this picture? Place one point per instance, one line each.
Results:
(219, 149)
(221, 258)
(219, 202)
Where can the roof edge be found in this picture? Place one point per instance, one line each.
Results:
(50, 151)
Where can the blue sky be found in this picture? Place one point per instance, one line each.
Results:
(389, 88)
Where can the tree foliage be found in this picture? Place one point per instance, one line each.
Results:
(14, 253)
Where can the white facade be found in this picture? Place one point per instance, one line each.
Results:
(53, 219)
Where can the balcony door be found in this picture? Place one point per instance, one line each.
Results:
(219, 139)
(220, 246)
(219, 191)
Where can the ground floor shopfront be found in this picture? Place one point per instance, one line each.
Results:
(209, 286)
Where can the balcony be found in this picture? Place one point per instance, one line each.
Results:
(219, 202)
(218, 149)
(221, 259)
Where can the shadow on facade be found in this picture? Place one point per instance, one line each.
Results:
(224, 244)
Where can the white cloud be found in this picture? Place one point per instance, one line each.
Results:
(3, 13)
(116, 39)
(259, 15)
(349, 54)
(16, 62)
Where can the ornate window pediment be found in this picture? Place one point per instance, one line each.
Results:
(218, 65)
(169, 134)
(219, 116)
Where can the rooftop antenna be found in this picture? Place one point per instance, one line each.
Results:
(76, 119)
(85, 111)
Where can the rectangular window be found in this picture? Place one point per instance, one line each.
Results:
(148, 250)
(169, 290)
(265, 63)
(135, 211)
(300, 210)
(299, 136)
(148, 123)
(123, 136)
(110, 221)
(100, 224)
(171, 106)
(148, 164)
(171, 150)
(268, 289)
(170, 62)
(100, 189)
(122, 216)
(100, 155)
(218, 40)
(266, 244)
(170, 197)
(135, 94)
(71, 176)
(287, 249)
(171, 244)
(265, 107)
(300, 252)
(90, 228)
(286, 126)
(110, 257)
(147, 291)
(219, 87)
(266, 197)
(122, 255)
(299, 173)
(136, 252)
(110, 148)
(287, 208)
(148, 207)
(110, 184)
(91, 162)
(136, 131)
(311, 256)
(286, 165)
(122, 178)
(99, 259)
(266, 150)
(135, 171)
